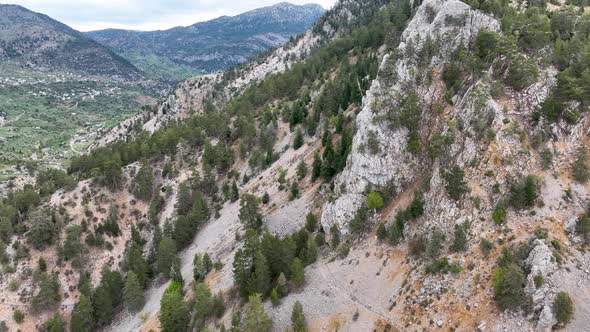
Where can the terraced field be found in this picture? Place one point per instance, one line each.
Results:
(49, 119)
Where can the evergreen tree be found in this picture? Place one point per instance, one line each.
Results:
(580, 169)
(137, 264)
(255, 317)
(316, 168)
(143, 184)
(166, 255)
(298, 318)
(82, 319)
(298, 139)
(203, 302)
(174, 312)
(113, 281)
(201, 266)
(55, 324)
(311, 252)
(235, 192)
(261, 274)
(274, 297)
(133, 293)
(301, 170)
(184, 199)
(102, 304)
(297, 273)
(48, 295)
(250, 216)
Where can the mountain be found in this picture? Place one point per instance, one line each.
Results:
(400, 166)
(38, 42)
(210, 46)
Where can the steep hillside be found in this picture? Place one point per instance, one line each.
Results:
(210, 46)
(413, 166)
(40, 43)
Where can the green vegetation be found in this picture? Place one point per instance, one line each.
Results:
(523, 193)
(509, 279)
(174, 311)
(133, 293)
(563, 306)
(255, 317)
(580, 169)
(298, 318)
(395, 231)
(455, 183)
(43, 117)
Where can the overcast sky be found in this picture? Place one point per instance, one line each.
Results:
(86, 15)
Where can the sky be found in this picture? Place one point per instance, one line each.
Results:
(87, 15)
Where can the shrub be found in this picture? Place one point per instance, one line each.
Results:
(18, 316)
(563, 307)
(524, 192)
(437, 238)
(455, 183)
(460, 239)
(499, 214)
(539, 280)
(485, 246)
(374, 201)
(311, 222)
(522, 73)
(373, 143)
(508, 282)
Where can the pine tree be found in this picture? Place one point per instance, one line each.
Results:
(102, 304)
(316, 168)
(133, 293)
(255, 317)
(82, 319)
(250, 216)
(55, 324)
(261, 274)
(137, 263)
(298, 139)
(311, 250)
(143, 184)
(301, 170)
(235, 192)
(203, 302)
(297, 273)
(48, 295)
(298, 318)
(274, 297)
(580, 169)
(184, 199)
(174, 312)
(166, 255)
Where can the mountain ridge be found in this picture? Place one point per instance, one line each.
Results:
(212, 45)
(39, 42)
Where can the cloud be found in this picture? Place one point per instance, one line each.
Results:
(86, 15)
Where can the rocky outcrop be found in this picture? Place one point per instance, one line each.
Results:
(448, 24)
(542, 264)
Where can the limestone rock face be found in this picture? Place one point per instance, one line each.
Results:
(449, 24)
(541, 262)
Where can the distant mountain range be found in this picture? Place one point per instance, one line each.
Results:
(209, 46)
(36, 41)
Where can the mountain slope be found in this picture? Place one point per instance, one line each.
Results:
(448, 165)
(213, 45)
(41, 43)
